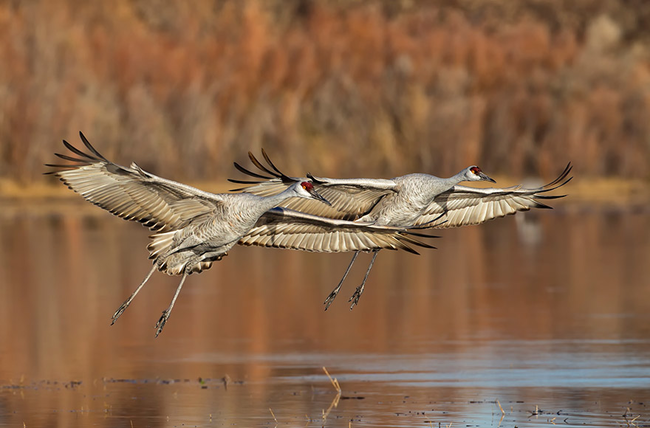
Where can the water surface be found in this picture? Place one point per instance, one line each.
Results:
(546, 316)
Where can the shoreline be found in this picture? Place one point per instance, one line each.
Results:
(613, 192)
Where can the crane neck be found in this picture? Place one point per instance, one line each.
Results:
(444, 184)
(269, 202)
(456, 179)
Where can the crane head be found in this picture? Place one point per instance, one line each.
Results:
(474, 173)
(306, 190)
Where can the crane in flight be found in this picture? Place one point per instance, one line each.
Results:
(194, 228)
(413, 200)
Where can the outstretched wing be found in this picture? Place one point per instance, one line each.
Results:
(286, 228)
(350, 198)
(462, 206)
(132, 193)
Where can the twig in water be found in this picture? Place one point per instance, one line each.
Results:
(501, 408)
(631, 421)
(335, 401)
(334, 381)
(503, 412)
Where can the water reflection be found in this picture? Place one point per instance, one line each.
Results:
(554, 325)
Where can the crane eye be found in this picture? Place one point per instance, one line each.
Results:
(475, 169)
(307, 185)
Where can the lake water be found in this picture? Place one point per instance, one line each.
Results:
(532, 320)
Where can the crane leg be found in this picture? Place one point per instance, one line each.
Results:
(165, 314)
(335, 292)
(359, 291)
(128, 301)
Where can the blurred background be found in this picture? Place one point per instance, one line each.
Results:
(344, 87)
(545, 315)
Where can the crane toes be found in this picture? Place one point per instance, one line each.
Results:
(355, 297)
(120, 311)
(161, 322)
(330, 299)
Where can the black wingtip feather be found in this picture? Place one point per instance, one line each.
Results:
(409, 249)
(232, 180)
(250, 173)
(51, 172)
(419, 243)
(422, 244)
(259, 165)
(562, 176)
(70, 158)
(90, 147)
(418, 234)
(268, 160)
(55, 165)
(315, 180)
(543, 206)
(77, 152)
(278, 174)
(549, 196)
(555, 184)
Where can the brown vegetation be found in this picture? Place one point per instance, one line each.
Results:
(341, 88)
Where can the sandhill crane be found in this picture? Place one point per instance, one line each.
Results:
(406, 201)
(196, 228)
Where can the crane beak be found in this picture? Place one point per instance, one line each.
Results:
(484, 177)
(314, 194)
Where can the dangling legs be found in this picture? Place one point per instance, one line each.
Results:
(335, 292)
(165, 315)
(359, 291)
(126, 304)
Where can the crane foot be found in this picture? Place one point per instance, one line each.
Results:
(161, 322)
(120, 311)
(356, 296)
(330, 299)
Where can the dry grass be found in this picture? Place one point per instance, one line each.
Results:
(348, 88)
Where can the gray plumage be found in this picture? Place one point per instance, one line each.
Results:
(413, 200)
(194, 228)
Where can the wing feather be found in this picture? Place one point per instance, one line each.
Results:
(350, 198)
(132, 193)
(286, 228)
(461, 205)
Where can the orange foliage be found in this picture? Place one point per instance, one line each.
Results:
(342, 88)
